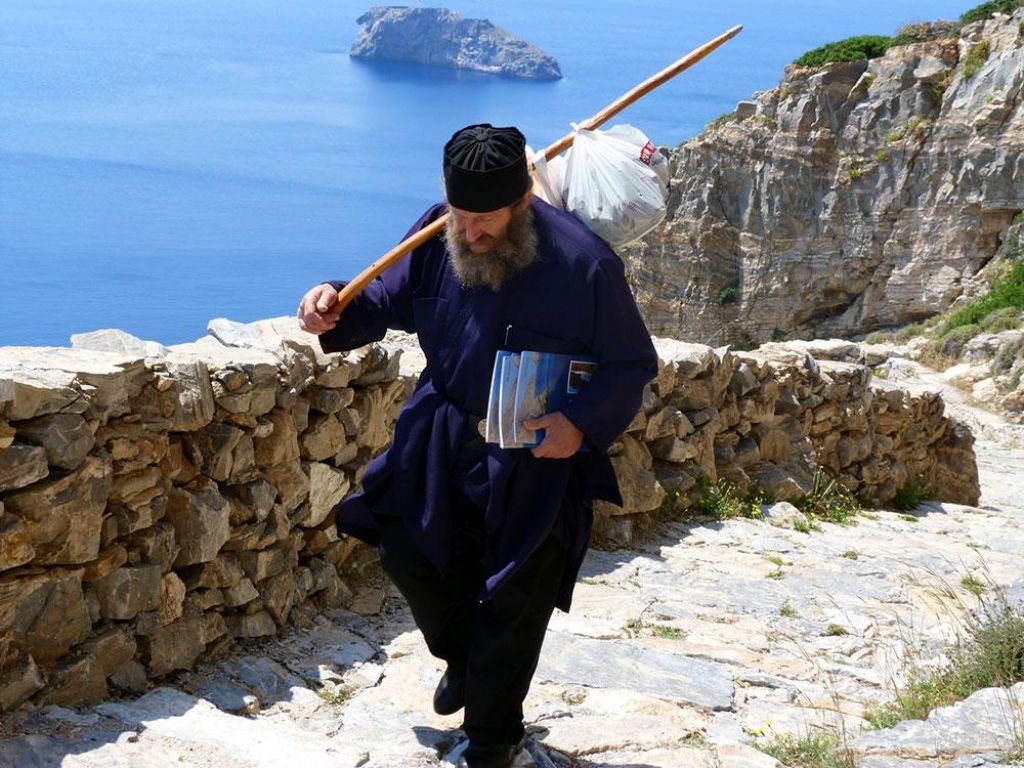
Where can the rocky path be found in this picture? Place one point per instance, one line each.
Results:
(690, 650)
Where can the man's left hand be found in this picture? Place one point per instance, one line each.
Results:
(561, 438)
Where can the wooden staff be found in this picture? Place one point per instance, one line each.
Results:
(364, 278)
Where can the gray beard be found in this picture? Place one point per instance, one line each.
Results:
(513, 253)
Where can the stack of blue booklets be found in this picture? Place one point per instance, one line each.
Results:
(525, 385)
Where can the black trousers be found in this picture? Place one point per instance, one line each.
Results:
(495, 644)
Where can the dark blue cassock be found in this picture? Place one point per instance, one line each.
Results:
(573, 299)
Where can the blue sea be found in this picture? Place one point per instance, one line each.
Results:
(164, 162)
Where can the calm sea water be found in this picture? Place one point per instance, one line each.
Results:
(164, 162)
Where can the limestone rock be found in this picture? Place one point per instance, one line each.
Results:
(783, 515)
(64, 515)
(631, 667)
(20, 680)
(45, 613)
(117, 341)
(65, 436)
(324, 437)
(223, 452)
(108, 561)
(172, 598)
(775, 482)
(7, 434)
(976, 725)
(15, 541)
(200, 517)
(127, 591)
(83, 678)
(441, 37)
(193, 405)
(291, 482)
(37, 392)
(875, 145)
(639, 487)
(138, 498)
(156, 545)
(51, 380)
(240, 594)
(176, 646)
(21, 465)
(327, 487)
(251, 625)
(281, 446)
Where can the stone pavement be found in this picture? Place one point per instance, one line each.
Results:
(686, 650)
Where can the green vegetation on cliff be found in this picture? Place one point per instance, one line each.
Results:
(1007, 292)
(988, 10)
(872, 46)
(850, 49)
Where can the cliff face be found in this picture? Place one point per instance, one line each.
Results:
(443, 38)
(859, 196)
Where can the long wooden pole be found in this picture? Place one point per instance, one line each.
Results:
(364, 278)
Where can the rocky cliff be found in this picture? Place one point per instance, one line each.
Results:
(853, 197)
(442, 37)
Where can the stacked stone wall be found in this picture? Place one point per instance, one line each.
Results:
(157, 504)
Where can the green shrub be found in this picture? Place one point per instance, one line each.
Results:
(1006, 292)
(828, 500)
(850, 49)
(813, 750)
(990, 9)
(952, 342)
(907, 332)
(975, 59)
(990, 653)
(1015, 380)
(923, 31)
(857, 167)
(1007, 355)
(911, 495)
(722, 501)
(728, 294)
(1005, 319)
(721, 120)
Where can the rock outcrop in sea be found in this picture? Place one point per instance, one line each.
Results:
(441, 37)
(853, 197)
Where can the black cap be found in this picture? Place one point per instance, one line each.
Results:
(485, 168)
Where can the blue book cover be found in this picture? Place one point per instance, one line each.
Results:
(547, 382)
(507, 397)
(492, 432)
(527, 385)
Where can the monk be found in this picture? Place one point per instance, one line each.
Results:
(485, 542)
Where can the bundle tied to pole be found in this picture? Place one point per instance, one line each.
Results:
(364, 278)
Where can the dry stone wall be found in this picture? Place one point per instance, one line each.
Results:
(158, 503)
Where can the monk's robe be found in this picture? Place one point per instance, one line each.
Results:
(573, 299)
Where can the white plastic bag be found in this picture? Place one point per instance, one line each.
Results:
(616, 182)
(549, 176)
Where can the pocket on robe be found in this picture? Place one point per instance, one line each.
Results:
(519, 338)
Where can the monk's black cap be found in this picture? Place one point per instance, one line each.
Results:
(485, 168)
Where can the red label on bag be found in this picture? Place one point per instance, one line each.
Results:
(647, 153)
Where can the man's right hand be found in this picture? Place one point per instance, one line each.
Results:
(313, 309)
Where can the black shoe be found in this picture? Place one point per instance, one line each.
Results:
(495, 756)
(450, 694)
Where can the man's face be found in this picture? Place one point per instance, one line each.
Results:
(482, 232)
(488, 248)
